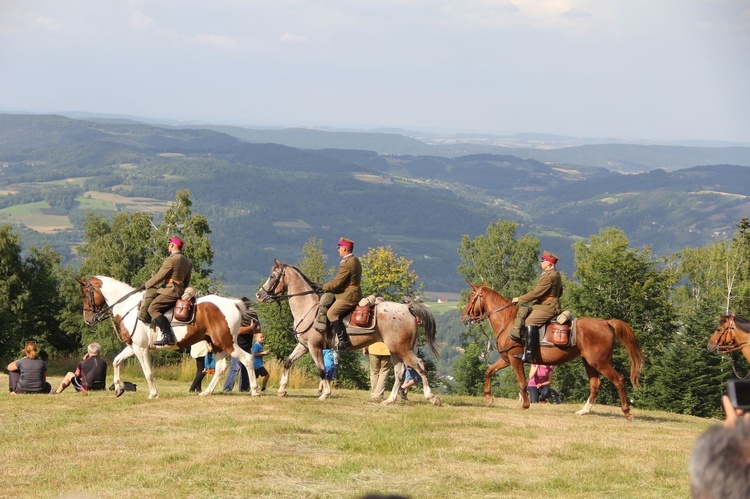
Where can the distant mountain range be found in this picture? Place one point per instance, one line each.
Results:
(267, 191)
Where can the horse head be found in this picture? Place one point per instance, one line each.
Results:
(473, 312)
(729, 336)
(275, 285)
(93, 300)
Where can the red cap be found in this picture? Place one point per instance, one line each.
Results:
(346, 242)
(550, 257)
(176, 241)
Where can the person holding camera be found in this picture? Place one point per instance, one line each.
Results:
(720, 458)
(90, 374)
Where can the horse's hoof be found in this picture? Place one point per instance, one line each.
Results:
(489, 401)
(281, 394)
(436, 401)
(119, 391)
(581, 413)
(387, 402)
(153, 397)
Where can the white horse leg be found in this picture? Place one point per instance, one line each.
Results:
(586, 408)
(221, 366)
(247, 361)
(417, 363)
(298, 352)
(126, 353)
(142, 356)
(398, 373)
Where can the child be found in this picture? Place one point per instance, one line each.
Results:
(331, 361)
(412, 378)
(258, 354)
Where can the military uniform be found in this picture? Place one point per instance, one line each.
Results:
(175, 273)
(545, 297)
(345, 287)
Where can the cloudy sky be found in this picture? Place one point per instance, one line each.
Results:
(627, 69)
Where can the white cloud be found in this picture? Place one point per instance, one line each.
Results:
(139, 20)
(216, 41)
(288, 37)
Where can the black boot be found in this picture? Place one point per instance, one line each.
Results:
(532, 344)
(167, 335)
(340, 331)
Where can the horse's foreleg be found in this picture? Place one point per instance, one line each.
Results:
(520, 371)
(142, 356)
(221, 366)
(121, 357)
(298, 352)
(594, 384)
(495, 367)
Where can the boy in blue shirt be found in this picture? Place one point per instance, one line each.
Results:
(258, 354)
(331, 362)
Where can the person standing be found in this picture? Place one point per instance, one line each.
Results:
(29, 374)
(198, 351)
(545, 304)
(258, 353)
(90, 374)
(245, 342)
(380, 365)
(174, 274)
(346, 292)
(331, 363)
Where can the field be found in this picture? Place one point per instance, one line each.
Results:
(234, 445)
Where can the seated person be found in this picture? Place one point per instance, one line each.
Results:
(90, 374)
(29, 374)
(539, 388)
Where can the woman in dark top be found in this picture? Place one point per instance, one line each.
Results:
(29, 374)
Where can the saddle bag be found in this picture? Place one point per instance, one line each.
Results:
(362, 316)
(558, 334)
(183, 310)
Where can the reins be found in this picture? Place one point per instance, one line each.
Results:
(276, 297)
(734, 346)
(100, 314)
(486, 315)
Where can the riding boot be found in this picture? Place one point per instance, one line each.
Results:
(340, 331)
(167, 335)
(532, 344)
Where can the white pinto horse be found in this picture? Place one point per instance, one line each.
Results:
(217, 320)
(397, 326)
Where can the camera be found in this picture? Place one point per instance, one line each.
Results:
(738, 391)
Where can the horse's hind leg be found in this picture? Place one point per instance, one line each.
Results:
(618, 380)
(221, 366)
(594, 383)
(417, 363)
(247, 361)
(298, 352)
(126, 353)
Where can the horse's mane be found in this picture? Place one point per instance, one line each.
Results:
(113, 282)
(313, 285)
(492, 292)
(742, 324)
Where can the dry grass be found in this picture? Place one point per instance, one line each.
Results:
(234, 445)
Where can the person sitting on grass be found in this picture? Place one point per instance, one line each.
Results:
(90, 374)
(29, 374)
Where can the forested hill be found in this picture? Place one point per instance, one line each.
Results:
(265, 200)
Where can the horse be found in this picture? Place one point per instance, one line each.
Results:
(217, 320)
(595, 343)
(396, 325)
(731, 335)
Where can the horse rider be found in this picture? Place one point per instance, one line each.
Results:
(544, 301)
(343, 291)
(175, 275)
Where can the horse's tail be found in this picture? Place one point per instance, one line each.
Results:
(426, 320)
(624, 334)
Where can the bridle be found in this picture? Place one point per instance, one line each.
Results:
(727, 343)
(101, 312)
(475, 300)
(272, 295)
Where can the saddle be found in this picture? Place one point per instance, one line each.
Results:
(363, 317)
(557, 332)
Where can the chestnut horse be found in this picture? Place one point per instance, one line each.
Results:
(595, 343)
(396, 326)
(731, 335)
(217, 320)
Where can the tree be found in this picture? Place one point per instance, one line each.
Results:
(468, 371)
(387, 275)
(13, 295)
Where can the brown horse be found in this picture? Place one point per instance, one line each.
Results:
(595, 343)
(732, 334)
